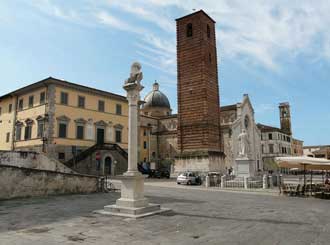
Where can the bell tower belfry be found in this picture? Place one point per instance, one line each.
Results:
(198, 94)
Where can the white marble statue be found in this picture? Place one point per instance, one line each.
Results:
(136, 74)
(244, 144)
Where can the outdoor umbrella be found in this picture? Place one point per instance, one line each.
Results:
(304, 163)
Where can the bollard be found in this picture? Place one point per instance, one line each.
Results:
(270, 178)
(223, 179)
(207, 181)
(245, 179)
(264, 182)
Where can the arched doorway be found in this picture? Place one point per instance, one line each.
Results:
(107, 165)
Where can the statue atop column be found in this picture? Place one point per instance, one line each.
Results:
(136, 74)
(244, 144)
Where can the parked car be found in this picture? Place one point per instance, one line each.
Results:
(146, 171)
(161, 173)
(189, 178)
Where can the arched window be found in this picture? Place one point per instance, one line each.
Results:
(246, 122)
(189, 30)
(208, 30)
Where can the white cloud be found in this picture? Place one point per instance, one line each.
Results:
(264, 108)
(148, 13)
(258, 32)
(262, 31)
(50, 8)
(117, 23)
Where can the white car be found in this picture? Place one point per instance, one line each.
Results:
(188, 178)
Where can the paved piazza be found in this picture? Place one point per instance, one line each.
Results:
(198, 217)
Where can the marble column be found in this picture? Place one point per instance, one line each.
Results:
(132, 202)
(133, 97)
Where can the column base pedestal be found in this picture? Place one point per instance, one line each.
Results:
(132, 203)
(135, 213)
(244, 167)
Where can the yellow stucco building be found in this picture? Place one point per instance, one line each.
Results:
(53, 115)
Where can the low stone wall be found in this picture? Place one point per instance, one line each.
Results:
(35, 160)
(26, 182)
(89, 165)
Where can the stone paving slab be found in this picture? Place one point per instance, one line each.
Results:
(197, 217)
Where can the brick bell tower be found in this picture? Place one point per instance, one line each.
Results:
(285, 117)
(199, 140)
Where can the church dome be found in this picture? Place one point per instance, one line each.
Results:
(156, 99)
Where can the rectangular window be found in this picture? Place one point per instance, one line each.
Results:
(118, 109)
(10, 108)
(64, 98)
(80, 132)
(31, 101)
(20, 104)
(144, 132)
(18, 133)
(61, 156)
(62, 130)
(262, 149)
(118, 136)
(101, 105)
(7, 137)
(144, 144)
(270, 136)
(271, 148)
(42, 98)
(81, 101)
(40, 129)
(28, 132)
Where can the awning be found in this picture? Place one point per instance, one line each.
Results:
(303, 163)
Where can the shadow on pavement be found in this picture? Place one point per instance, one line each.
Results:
(162, 200)
(268, 221)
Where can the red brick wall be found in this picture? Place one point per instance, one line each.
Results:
(198, 96)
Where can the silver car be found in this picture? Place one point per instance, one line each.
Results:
(189, 178)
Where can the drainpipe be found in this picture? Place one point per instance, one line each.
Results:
(44, 139)
(149, 141)
(158, 160)
(14, 125)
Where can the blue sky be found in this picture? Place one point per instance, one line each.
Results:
(275, 51)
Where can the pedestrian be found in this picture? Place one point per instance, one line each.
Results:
(327, 181)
